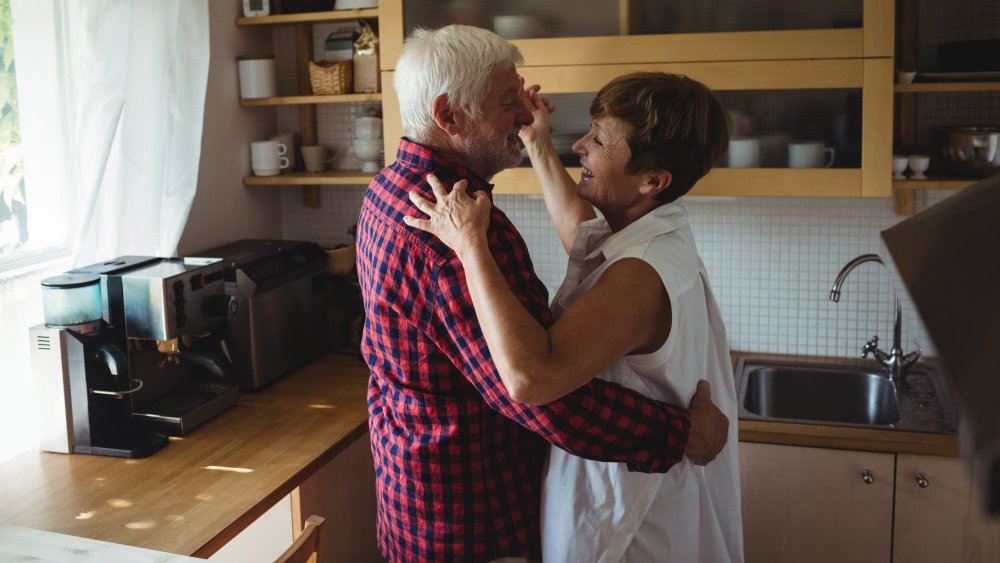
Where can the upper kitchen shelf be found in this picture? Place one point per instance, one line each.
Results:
(311, 17)
(948, 87)
(310, 100)
(326, 178)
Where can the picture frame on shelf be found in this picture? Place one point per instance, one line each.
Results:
(256, 8)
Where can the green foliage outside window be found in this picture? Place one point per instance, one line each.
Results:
(13, 212)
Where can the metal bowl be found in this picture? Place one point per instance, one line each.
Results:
(972, 151)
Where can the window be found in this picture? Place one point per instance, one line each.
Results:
(13, 211)
(34, 194)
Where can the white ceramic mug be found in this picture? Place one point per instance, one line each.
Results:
(257, 78)
(268, 157)
(287, 139)
(314, 157)
(744, 153)
(809, 155)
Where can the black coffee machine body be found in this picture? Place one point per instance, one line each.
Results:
(126, 347)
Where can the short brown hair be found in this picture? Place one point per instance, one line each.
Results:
(672, 123)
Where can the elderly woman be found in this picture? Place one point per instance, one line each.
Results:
(636, 309)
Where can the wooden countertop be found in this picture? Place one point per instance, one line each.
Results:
(201, 490)
(842, 437)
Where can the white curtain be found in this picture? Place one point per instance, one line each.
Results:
(132, 77)
(141, 74)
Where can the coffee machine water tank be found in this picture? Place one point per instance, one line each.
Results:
(73, 301)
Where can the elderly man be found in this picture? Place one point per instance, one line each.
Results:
(459, 463)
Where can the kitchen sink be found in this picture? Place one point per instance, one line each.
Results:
(847, 396)
(850, 394)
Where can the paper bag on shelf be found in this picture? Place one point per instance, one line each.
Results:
(366, 75)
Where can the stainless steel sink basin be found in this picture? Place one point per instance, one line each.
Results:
(856, 394)
(844, 396)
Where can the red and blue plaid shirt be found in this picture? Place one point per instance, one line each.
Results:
(458, 464)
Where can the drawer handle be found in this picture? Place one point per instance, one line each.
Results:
(867, 476)
(922, 481)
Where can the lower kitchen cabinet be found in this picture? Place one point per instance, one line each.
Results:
(825, 505)
(343, 492)
(815, 504)
(937, 516)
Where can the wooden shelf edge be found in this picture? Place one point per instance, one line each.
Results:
(933, 184)
(946, 87)
(310, 17)
(328, 178)
(307, 100)
(729, 182)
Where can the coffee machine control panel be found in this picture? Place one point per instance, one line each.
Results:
(174, 297)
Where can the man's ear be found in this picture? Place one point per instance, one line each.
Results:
(656, 182)
(444, 115)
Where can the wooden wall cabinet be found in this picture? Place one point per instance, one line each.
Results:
(816, 504)
(906, 133)
(851, 58)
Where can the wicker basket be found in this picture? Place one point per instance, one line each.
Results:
(340, 259)
(332, 77)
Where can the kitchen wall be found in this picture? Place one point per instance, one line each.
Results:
(771, 262)
(223, 209)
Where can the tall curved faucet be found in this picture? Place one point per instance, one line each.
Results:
(895, 362)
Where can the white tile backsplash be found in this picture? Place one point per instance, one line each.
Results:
(771, 261)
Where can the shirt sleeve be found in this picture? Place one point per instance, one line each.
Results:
(602, 421)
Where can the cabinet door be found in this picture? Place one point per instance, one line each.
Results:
(343, 492)
(941, 521)
(841, 104)
(814, 504)
(609, 32)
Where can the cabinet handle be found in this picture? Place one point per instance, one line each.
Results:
(922, 481)
(867, 476)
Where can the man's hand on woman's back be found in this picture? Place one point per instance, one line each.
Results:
(709, 427)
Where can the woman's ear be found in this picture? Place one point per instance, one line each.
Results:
(656, 182)
(444, 115)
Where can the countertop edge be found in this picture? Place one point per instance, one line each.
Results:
(229, 532)
(844, 438)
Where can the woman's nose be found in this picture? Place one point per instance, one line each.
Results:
(524, 116)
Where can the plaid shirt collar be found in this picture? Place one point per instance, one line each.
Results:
(421, 157)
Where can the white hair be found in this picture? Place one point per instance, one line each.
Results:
(456, 60)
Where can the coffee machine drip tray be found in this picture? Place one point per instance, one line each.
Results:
(187, 408)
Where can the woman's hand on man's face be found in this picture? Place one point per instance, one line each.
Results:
(460, 219)
(540, 108)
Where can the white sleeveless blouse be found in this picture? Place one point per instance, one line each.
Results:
(596, 511)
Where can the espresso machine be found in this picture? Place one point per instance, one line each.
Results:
(132, 350)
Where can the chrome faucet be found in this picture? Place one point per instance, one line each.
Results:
(895, 362)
